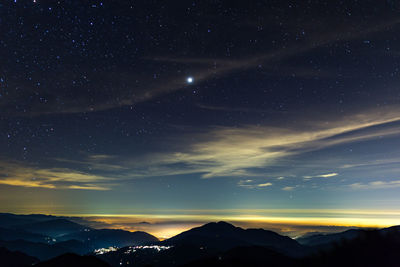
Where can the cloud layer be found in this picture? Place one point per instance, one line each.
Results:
(18, 174)
(376, 185)
(240, 151)
(244, 152)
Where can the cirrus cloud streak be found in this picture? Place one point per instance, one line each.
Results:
(18, 174)
(240, 151)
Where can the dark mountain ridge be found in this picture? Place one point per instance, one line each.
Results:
(111, 238)
(54, 228)
(14, 234)
(323, 239)
(42, 251)
(70, 259)
(15, 259)
(8, 220)
(224, 236)
(213, 244)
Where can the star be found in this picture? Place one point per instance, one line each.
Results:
(189, 79)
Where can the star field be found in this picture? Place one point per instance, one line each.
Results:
(127, 107)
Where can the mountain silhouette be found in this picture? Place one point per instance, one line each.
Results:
(15, 259)
(370, 249)
(325, 239)
(43, 251)
(68, 260)
(9, 220)
(395, 230)
(111, 237)
(97, 239)
(213, 244)
(54, 228)
(14, 234)
(224, 236)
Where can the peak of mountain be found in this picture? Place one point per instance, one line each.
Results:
(215, 226)
(221, 224)
(224, 236)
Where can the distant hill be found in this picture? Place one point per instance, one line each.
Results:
(14, 234)
(27, 238)
(208, 243)
(15, 258)
(68, 260)
(371, 249)
(324, 243)
(8, 220)
(111, 237)
(224, 236)
(54, 228)
(391, 230)
(44, 251)
(324, 239)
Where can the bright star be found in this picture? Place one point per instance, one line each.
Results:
(189, 79)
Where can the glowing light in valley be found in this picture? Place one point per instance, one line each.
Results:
(157, 248)
(102, 251)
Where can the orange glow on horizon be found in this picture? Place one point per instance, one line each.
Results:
(284, 220)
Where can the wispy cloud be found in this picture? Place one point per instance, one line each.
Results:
(227, 151)
(288, 188)
(376, 185)
(239, 109)
(372, 163)
(252, 184)
(243, 151)
(95, 162)
(327, 175)
(264, 185)
(18, 174)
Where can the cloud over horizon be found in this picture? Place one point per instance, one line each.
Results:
(238, 151)
(376, 185)
(19, 174)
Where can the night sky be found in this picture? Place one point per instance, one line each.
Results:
(181, 112)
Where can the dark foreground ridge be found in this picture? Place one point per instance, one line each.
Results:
(15, 258)
(73, 260)
(213, 244)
